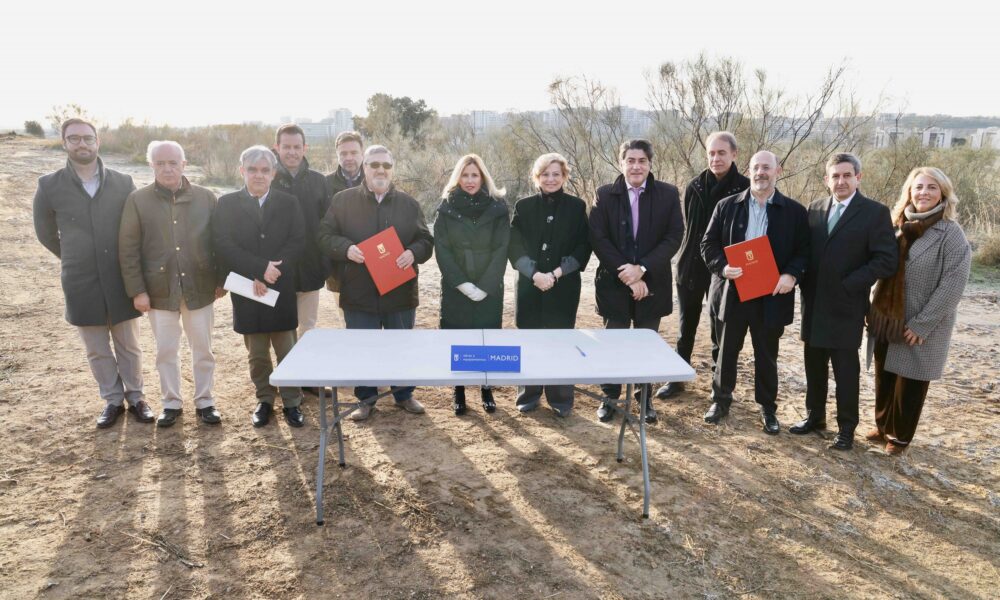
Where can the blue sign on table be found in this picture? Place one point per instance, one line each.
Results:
(505, 359)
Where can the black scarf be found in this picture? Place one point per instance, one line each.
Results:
(701, 211)
(469, 206)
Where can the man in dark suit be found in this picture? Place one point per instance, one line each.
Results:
(719, 180)
(258, 233)
(635, 229)
(851, 245)
(761, 210)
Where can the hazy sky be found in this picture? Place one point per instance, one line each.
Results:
(186, 62)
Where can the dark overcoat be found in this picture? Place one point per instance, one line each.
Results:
(313, 193)
(843, 267)
(661, 228)
(354, 216)
(83, 232)
(475, 251)
(541, 244)
(246, 239)
(788, 234)
(700, 197)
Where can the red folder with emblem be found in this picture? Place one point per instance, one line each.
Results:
(760, 273)
(381, 251)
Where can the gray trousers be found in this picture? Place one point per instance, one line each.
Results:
(558, 396)
(259, 347)
(118, 373)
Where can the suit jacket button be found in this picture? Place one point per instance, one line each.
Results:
(262, 236)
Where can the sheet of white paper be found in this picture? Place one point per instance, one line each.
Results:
(239, 284)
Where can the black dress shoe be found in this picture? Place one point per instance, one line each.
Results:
(606, 412)
(209, 415)
(843, 441)
(670, 390)
(489, 405)
(716, 412)
(294, 416)
(262, 414)
(458, 404)
(109, 415)
(770, 421)
(651, 416)
(141, 411)
(807, 425)
(168, 417)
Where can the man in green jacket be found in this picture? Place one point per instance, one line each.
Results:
(168, 266)
(77, 211)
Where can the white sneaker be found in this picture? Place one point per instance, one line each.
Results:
(363, 412)
(411, 405)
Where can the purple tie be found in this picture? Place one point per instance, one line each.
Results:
(635, 212)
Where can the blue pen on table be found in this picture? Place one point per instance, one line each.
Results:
(582, 353)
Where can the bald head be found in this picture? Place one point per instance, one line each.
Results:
(764, 172)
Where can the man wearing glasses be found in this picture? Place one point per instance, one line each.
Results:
(77, 212)
(356, 215)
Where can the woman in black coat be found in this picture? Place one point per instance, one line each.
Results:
(471, 234)
(549, 247)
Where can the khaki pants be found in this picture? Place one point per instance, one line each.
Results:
(119, 373)
(197, 325)
(259, 346)
(308, 306)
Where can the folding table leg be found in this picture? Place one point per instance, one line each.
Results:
(625, 414)
(642, 445)
(322, 454)
(336, 425)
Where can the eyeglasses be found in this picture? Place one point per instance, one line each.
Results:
(90, 140)
(380, 165)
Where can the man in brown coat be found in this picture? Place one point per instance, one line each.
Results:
(168, 266)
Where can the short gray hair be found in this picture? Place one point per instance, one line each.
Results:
(157, 144)
(722, 135)
(257, 153)
(376, 149)
(844, 157)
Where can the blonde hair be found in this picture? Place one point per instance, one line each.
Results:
(948, 197)
(543, 162)
(456, 174)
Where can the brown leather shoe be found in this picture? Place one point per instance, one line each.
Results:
(894, 449)
(141, 411)
(109, 415)
(875, 436)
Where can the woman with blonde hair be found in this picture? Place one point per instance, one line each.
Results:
(913, 312)
(471, 234)
(549, 248)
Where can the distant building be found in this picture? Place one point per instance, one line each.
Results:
(485, 120)
(324, 130)
(935, 137)
(986, 138)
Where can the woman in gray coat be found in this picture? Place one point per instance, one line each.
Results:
(913, 312)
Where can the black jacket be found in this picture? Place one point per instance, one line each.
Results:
(310, 188)
(661, 228)
(355, 216)
(843, 267)
(475, 251)
(336, 182)
(83, 232)
(245, 242)
(700, 197)
(540, 244)
(788, 233)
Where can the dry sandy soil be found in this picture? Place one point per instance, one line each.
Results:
(494, 506)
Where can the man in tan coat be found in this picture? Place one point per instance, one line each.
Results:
(168, 266)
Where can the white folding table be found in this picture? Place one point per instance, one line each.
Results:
(422, 357)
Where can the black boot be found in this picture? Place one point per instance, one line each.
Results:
(488, 404)
(459, 403)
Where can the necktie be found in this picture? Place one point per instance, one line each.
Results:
(836, 217)
(635, 212)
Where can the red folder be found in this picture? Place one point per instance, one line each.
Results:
(381, 251)
(760, 273)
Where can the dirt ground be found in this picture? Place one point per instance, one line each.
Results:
(483, 506)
